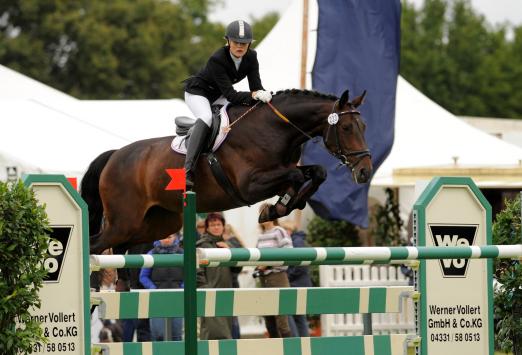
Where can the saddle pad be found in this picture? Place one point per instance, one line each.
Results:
(178, 143)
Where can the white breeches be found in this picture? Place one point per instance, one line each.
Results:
(200, 106)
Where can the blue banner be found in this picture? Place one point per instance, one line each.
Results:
(358, 44)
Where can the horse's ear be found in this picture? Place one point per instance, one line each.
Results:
(358, 101)
(344, 99)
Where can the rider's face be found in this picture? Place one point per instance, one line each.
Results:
(238, 49)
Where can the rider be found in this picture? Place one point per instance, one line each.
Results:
(227, 66)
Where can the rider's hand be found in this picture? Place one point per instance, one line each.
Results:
(262, 95)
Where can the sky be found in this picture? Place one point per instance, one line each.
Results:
(496, 11)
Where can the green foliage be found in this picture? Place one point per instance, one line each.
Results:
(119, 49)
(103, 49)
(508, 297)
(324, 233)
(451, 54)
(387, 222)
(23, 244)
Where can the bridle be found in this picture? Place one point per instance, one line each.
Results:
(333, 119)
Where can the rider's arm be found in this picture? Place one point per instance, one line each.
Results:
(254, 79)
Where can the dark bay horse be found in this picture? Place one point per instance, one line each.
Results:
(126, 187)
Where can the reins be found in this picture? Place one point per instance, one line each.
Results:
(284, 118)
(229, 127)
(333, 118)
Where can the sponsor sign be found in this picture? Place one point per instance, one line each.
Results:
(64, 312)
(456, 294)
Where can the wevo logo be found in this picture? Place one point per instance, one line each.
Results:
(453, 236)
(56, 250)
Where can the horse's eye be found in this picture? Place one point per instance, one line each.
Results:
(347, 127)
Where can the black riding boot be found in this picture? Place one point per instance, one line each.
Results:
(198, 139)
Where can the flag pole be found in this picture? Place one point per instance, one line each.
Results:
(304, 45)
(304, 57)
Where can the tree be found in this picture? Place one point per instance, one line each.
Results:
(508, 273)
(23, 246)
(451, 54)
(98, 49)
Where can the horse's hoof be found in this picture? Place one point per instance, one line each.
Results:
(301, 205)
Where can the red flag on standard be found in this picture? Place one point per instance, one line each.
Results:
(177, 181)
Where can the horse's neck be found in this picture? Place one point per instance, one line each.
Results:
(308, 114)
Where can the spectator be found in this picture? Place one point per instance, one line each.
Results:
(111, 332)
(108, 276)
(214, 277)
(129, 279)
(273, 236)
(298, 276)
(200, 228)
(234, 241)
(164, 278)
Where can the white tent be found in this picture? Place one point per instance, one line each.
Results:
(48, 131)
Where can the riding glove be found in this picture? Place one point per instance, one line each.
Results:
(263, 95)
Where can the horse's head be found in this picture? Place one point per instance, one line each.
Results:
(344, 137)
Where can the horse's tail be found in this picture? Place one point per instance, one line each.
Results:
(90, 191)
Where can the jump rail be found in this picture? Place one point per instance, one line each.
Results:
(309, 256)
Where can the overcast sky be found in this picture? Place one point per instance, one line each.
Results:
(494, 10)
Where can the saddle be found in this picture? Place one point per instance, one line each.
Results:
(184, 129)
(184, 126)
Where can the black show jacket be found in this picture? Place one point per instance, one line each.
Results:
(219, 74)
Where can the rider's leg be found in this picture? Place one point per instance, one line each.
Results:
(200, 107)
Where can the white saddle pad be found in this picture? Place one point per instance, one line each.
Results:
(178, 143)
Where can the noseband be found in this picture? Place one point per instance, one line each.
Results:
(333, 119)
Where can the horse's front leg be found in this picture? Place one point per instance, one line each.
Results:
(296, 195)
(317, 175)
(283, 182)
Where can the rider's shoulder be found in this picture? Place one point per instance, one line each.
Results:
(219, 55)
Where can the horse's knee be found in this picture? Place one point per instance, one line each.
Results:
(318, 174)
(296, 177)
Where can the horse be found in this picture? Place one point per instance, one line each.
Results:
(125, 188)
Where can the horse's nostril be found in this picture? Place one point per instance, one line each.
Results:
(364, 174)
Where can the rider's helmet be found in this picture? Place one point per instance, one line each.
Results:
(239, 31)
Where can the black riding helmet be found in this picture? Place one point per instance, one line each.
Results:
(239, 31)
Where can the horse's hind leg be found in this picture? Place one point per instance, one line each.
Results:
(159, 223)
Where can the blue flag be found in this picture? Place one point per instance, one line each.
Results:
(358, 43)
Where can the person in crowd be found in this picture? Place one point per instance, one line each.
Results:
(164, 278)
(111, 332)
(128, 279)
(214, 277)
(214, 83)
(108, 276)
(274, 236)
(233, 240)
(200, 228)
(298, 276)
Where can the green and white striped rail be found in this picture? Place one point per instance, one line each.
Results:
(253, 301)
(355, 345)
(308, 256)
(332, 255)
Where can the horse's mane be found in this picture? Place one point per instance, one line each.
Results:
(311, 93)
